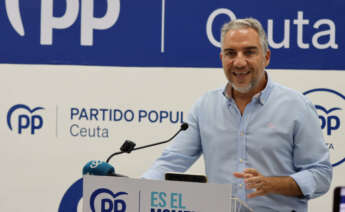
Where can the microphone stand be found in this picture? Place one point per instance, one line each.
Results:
(129, 146)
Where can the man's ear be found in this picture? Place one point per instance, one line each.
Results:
(267, 57)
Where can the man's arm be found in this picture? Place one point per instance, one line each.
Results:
(284, 185)
(313, 170)
(184, 150)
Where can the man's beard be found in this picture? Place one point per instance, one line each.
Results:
(245, 89)
(251, 85)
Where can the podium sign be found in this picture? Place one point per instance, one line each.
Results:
(116, 194)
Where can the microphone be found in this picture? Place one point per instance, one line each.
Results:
(101, 168)
(129, 146)
(97, 167)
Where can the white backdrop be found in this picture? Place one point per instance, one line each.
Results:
(38, 168)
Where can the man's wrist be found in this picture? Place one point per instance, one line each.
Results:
(284, 185)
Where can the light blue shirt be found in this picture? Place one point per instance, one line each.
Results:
(278, 134)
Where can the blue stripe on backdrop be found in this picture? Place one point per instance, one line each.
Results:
(302, 34)
(70, 200)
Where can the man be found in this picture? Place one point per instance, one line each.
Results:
(256, 134)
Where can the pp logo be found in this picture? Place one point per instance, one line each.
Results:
(26, 118)
(95, 163)
(328, 121)
(104, 200)
(329, 105)
(89, 23)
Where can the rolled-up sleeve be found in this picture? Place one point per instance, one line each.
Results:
(311, 155)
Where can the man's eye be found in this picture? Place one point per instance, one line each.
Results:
(249, 53)
(230, 53)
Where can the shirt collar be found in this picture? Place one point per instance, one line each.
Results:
(261, 97)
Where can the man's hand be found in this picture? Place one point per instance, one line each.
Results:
(265, 185)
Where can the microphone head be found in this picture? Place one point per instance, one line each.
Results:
(97, 167)
(128, 146)
(184, 126)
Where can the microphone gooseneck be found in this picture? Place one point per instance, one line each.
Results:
(129, 146)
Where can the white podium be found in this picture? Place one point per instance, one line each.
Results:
(118, 194)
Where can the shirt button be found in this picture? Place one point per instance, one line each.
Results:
(242, 134)
(240, 185)
(241, 160)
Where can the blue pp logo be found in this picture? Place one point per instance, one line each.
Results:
(330, 106)
(23, 118)
(89, 23)
(329, 122)
(104, 200)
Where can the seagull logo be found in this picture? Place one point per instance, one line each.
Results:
(13, 13)
(319, 107)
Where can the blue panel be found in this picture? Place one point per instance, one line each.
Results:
(135, 38)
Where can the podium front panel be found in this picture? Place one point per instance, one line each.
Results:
(116, 194)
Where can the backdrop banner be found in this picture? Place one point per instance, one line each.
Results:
(79, 77)
(54, 119)
(163, 33)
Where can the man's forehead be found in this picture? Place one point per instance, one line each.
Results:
(242, 33)
(230, 48)
(246, 37)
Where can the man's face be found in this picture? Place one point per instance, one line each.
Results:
(243, 59)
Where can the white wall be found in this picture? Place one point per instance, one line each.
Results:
(42, 166)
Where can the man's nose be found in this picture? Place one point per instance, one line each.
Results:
(240, 61)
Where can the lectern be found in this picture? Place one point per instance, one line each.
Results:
(120, 194)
